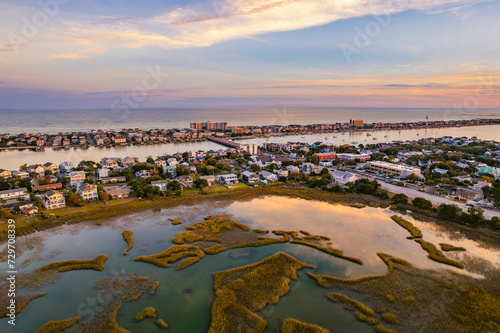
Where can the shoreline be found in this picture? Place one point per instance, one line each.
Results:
(96, 213)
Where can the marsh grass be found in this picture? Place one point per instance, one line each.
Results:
(390, 298)
(359, 206)
(148, 312)
(187, 237)
(437, 255)
(350, 304)
(58, 326)
(96, 264)
(171, 255)
(208, 217)
(259, 231)
(414, 231)
(367, 319)
(241, 291)
(127, 237)
(190, 261)
(381, 329)
(214, 249)
(176, 221)
(291, 325)
(20, 304)
(408, 300)
(448, 247)
(389, 317)
(329, 250)
(161, 324)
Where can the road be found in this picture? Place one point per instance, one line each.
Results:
(413, 193)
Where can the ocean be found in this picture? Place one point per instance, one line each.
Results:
(55, 121)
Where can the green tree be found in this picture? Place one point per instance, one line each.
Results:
(448, 211)
(200, 183)
(474, 216)
(421, 203)
(254, 167)
(400, 198)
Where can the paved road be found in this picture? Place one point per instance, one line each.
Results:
(413, 193)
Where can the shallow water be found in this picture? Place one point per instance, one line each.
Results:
(360, 233)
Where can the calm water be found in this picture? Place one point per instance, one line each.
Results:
(54, 121)
(11, 160)
(359, 232)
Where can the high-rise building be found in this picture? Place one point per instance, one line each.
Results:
(210, 126)
(355, 122)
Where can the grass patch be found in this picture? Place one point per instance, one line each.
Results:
(350, 304)
(448, 247)
(381, 329)
(218, 224)
(148, 312)
(241, 291)
(390, 298)
(291, 325)
(262, 242)
(408, 300)
(436, 255)
(20, 305)
(390, 318)
(190, 261)
(414, 231)
(259, 231)
(214, 249)
(175, 221)
(329, 250)
(161, 324)
(57, 326)
(96, 264)
(367, 319)
(127, 237)
(359, 206)
(171, 255)
(187, 237)
(208, 217)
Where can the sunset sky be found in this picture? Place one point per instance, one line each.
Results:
(374, 53)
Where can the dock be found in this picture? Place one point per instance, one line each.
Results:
(224, 142)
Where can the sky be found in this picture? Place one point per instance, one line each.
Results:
(68, 54)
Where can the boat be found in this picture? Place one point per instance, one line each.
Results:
(327, 138)
(375, 138)
(368, 134)
(335, 136)
(355, 142)
(386, 136)
(303, 137)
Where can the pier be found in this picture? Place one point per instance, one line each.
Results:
(224, 142)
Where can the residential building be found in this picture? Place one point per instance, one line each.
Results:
(103, 173)
(143, 174)
(20, 174)
(306, 168)
(228, 179)
(14, 193)
(5, 173)
(356, 122)
(51, 167)
(185, 181)
(342, 177)
(118, 192)
(88, 192)
(210, 179)
(117, 179)
(480, 184)
(53, 200)
(270, 177)
(250, 177)
(354, 157)
(38, 168)
(68, 166)
(469, 194)
(21, 207)
(109, 163)
(76, 178)
(326, 156)
(391, 168)
(252, 149)
(161, 184)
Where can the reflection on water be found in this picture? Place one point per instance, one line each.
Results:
(184, 297)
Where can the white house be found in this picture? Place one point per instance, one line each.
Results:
(306, 168)
(88, 192)
(68, 166)
(270, 177)
(76, 178)
(143, 174)
(228, 179)
(342, 177)
(54, 199)
(14, 193)
(103, 173)
(325, 163)
(210, 179)
(292, 169)
(250, 177)
(161, 184)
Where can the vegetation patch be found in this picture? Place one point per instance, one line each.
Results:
(208, 217)
(390, 318)
(448, 247)
(175, 221)
(57, 326)
(20, 304)
(239, 292)
(414, 231)
(214, 249)
(329, 250)
(259, 231)
(161, 324)
(148, 312)
(190, 261)
(390, 298)
(171, 255)
(381, 329)
(359, 206)
(96, 264)
(367, 319)
(127, 236)
(350, 304)
(437, 255)
(187, 237)
(291, 325)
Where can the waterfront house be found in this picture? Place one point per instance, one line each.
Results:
(342, 177)
(118, 192)
(161, 184)
(76, 178)
(88, 192)
(38, 168)
(5, 174)
(210, 179)
(20, 174)
(109, 163)
(185, 181)
(270, 177)
(228, 179)
(161, 163)
(54, 168)
(68, 166)
(250, 177)
(53, 200)
(14, 193)
(128, 161)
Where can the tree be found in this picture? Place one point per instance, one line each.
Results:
(474, 216)
(4, 185)
(150, 160)
(103, 196)
(75, 200)
(400, 198)
(200, 183)
(382, 194)
(448, 211)
(421, 203)
(324, 171)
(174, 186)
(254, 167)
